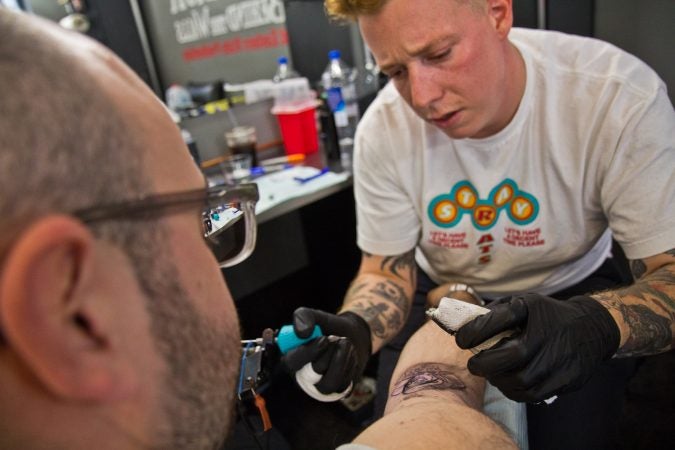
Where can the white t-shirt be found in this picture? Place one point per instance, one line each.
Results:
(591, 148)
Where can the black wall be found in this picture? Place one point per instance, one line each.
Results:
(311, 36)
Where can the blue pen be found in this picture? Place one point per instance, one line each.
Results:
(264, 170)
(301, 180)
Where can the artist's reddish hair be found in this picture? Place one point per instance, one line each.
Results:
(352, 9)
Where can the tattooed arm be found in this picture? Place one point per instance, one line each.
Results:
(376, 307)
(382, 294)
(645, 310)
(434, 401)
(561, 344)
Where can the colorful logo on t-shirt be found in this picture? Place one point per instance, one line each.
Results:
(446, 210)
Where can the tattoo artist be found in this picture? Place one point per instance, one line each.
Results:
(509, 161)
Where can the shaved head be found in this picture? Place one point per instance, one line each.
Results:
(57, 130)
(78, 129)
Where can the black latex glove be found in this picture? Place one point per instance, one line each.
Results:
(340, 361)
(556, 349)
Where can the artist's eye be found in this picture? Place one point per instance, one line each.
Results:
(396, 73)
(440, 56)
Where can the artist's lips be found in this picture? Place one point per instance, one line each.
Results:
(446, 120)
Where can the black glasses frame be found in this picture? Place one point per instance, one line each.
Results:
(144, 205)
(212, 197)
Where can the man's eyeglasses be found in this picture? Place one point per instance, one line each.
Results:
(228, 216)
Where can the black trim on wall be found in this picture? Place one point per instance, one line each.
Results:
(525, 13)
(571, 16)
(113, 24)
(311, 36)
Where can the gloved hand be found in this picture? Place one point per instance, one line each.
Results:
(339, 357)
(556, 348)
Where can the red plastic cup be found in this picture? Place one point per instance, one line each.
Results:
(298, 128)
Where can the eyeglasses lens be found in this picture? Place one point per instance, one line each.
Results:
(225, 230)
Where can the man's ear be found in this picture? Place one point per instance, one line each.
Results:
(500, 13)
(48, 316)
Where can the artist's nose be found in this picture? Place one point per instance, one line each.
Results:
(424, 89)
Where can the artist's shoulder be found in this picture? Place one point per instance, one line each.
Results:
(593, 60)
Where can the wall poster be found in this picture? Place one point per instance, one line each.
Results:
(205, 40)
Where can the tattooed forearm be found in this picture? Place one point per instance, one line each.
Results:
(659, 284)
(376, 316)
(646, 309)
(386, 290)
(393, 293)
(382, 293)
(427, 376)
(399, 264)
(355, 289)
(649, 333)
(383, 304)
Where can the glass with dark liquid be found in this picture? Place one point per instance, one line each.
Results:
(242, 140)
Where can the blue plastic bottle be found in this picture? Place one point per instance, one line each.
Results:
(339, 83)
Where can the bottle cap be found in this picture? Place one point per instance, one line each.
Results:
(334, 54)
(282, 60)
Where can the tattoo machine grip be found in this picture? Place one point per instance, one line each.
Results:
(287, 340)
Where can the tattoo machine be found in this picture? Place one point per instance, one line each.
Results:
(284, 341)
(252, 373)
(452, 314)
(255, 369)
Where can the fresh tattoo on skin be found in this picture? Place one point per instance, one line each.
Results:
(427, 376)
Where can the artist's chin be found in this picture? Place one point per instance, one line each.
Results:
(453, 124)
(458, 126)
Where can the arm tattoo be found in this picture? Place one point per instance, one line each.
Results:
(638, 268)
(649, 332)
(394, 293)
(653, 286)
(427, 376)
(382, 319)
(404, 262)
(384, 304)
(649, 322)
(372, 312)
(354, 289)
